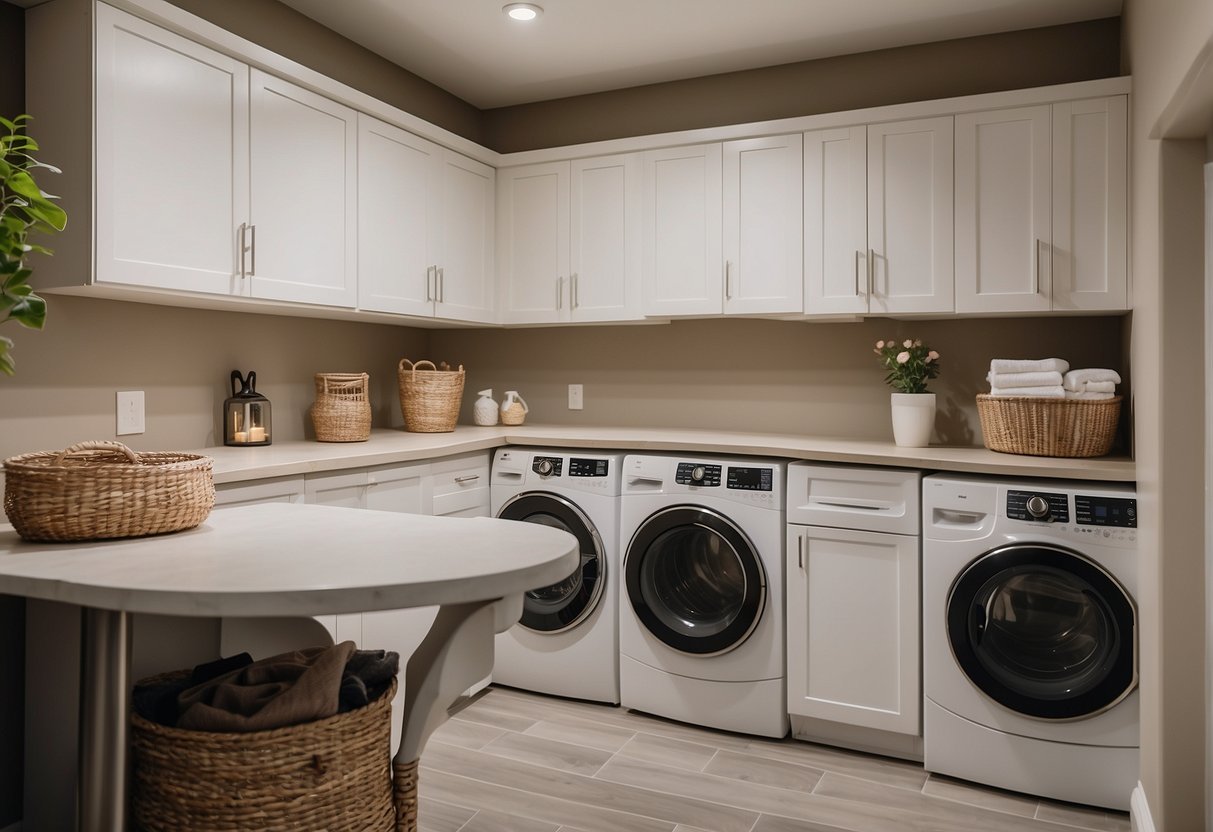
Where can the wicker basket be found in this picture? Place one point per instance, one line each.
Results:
(342, 410)
(332, 774)
(1048, 427)
(429, 399)
(96, 490)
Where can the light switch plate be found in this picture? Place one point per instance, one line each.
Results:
(576, 397)
(130, 412)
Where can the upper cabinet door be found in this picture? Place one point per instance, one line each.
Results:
(1004, 195)
(910, 216)
(605, 227)
(304, 195)
(1090, 195)
(763, 225)
(171, 158)
(398, 215)
(836, 273)
(683, 269)
(533, 243)
(465, 264)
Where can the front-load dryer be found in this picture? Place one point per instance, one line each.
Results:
(701, 626)
(1030, 635)
(567, 641)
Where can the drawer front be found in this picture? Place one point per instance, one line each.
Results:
(851, 497)
(465, 472)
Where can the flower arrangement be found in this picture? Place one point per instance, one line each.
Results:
(909, 363)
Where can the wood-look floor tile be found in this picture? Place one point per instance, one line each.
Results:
(892, 772)
(771, 823)
(582, 732)
(489, 821)
(779, 773)
(438, 816)
(467, 734)
(487, 711)
(668, 752)
(447, 787)
(744, 795)
(996, 799)
(642, 800)
(1083, 817)
(551, 753)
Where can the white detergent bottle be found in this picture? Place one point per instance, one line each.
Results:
(484, 412)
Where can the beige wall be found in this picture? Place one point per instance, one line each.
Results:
(1162, 40)
(1012, 60)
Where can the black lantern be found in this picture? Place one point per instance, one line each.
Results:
(246, 415)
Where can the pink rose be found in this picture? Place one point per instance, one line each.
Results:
(880, 345)
(934, 356)
(903, 357)
(917, 342)
(907, 344)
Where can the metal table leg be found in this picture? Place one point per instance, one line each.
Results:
(105, 699)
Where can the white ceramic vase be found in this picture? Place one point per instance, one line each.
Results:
(913, 419)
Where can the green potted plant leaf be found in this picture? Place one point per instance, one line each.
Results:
(24, 208)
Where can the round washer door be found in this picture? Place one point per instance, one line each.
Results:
(565, 604)
(694, 580)
(1044, 631)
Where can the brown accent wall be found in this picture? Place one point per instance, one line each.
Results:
(1011, 60)
(290, 33)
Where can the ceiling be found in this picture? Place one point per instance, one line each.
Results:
(470, 48)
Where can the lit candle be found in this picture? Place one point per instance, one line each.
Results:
(256, 434)
(240, 436)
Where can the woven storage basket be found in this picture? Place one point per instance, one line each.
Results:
(342, 410)
(429, 399)
(1048, 427)
(96, 490)
(332, 774)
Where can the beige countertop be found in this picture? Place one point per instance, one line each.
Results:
(387, 446)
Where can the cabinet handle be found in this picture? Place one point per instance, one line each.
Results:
(441, 283)
(469, 478)
(1036, 267)
(728, 280)
(573, 291)
(800, 550)
(430, 277)
(253, 252)
(240, 246)
(858, 254)
(871, 269)
(560, 293)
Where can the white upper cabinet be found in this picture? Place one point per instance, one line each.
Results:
(763, 226)
(533, 249)
(836, 274)
(171, 158)
(1004, 207)
(399, 209)
(464, 276)
(604, 245)
(910, 216)
(1090, 204)
(303, 234)
(683, 270)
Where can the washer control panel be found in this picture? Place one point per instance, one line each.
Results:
(750, 479)
(547, 466)
(581, 467)
(1038, 506)
(696, 473)
(1105, 511)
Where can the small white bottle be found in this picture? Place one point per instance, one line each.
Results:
(485, 411)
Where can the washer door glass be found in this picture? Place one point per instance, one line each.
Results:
(565, 604)
(1043, 631)
(695, 580)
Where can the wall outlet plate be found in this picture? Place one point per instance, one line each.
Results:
(130, 412)
(576, 397)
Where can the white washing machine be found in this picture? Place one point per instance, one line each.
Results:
(567, 642)
(701, 617)
(1030, 635)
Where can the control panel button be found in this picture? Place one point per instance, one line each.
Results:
(1038, 506)
(547, 466)
(695, 473)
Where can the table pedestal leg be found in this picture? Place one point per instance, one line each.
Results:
(105, 691)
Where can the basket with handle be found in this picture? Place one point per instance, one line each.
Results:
(429, 399)
(101, 489)
(342, 410)
(1048, 427)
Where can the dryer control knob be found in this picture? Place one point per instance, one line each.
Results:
(697, 473)
(545, 468)
(1038, 507)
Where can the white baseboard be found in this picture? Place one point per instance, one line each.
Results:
(1139, 811)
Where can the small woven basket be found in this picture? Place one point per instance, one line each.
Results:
(1048, 427)
(96, 490)
(429, 399)
(332, 774)
(342, 410)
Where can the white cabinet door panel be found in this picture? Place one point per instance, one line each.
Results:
(683, 267)
(304, 195)
(1090, 210)
(172, 158)
(400, 488)
(533, 249)
(398, 215)
(910, 216)
(255, 492)
(465, 288)
(604, 248)
(763, 225)
(836, 221)
(1004, 210)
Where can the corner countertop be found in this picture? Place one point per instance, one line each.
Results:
(389, 446)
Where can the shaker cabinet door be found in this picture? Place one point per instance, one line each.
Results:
(605, 232)
(837, 278)
(465, 261)
(533, 243)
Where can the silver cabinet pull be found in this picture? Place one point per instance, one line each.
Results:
(430, 278)
(469, 478)
(573, 291)
(728, 280)
(560, 293)
(1036, 267)
(871, 269)
(858, 254)
(800, 550)
(253, 252)
(240, 247)
(441, 284)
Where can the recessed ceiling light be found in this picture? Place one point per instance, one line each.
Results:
(523, 11)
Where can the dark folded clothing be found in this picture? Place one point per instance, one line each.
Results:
(368, 674)
(158, 701)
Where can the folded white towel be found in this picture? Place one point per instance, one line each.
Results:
(1055, 392)
(1024, 365)
(1076, 379)
(1007, 380)
(1094, 387)
(1070, 394)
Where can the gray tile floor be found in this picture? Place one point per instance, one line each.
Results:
(517, 762)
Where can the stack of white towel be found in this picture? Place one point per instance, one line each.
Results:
(1049, 378)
